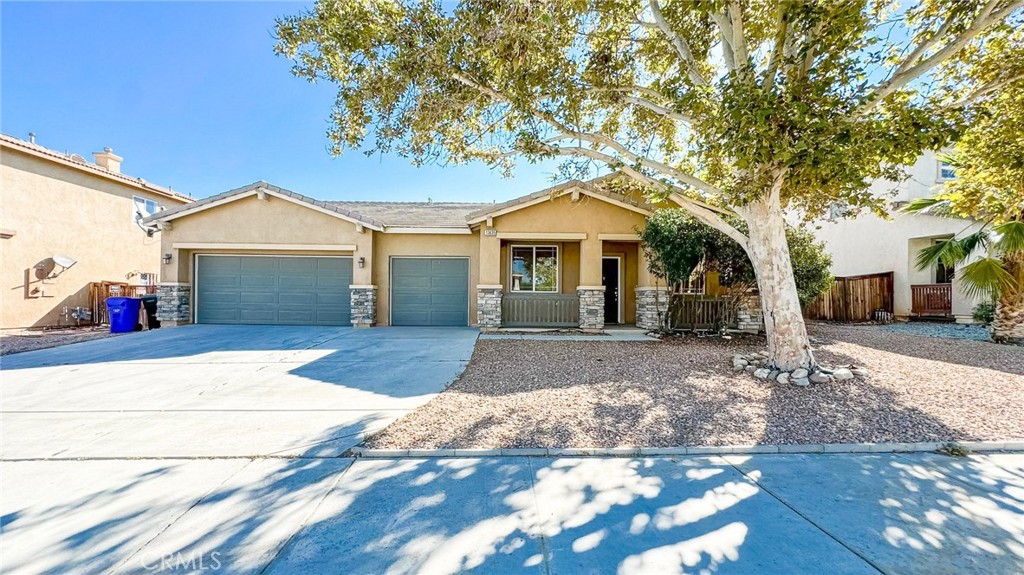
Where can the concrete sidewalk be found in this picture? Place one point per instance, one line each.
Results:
(863, 513)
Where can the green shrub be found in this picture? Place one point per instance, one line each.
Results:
(984, 312)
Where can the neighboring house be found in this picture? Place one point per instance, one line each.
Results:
(868, 244)
(58, 208)
(565, 256)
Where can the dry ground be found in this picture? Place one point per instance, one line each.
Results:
(684, 392)
(17, 341)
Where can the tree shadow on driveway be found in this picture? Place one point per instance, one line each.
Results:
(516, 515)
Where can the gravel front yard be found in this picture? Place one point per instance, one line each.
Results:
(684, 392)
(18, 341)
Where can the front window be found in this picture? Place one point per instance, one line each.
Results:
(534, 269)
(946, 171)
(143, 206)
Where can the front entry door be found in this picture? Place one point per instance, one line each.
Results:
(610, 281)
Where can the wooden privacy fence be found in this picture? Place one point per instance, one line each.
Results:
(853, 298)
(100, 291)
(699, 312)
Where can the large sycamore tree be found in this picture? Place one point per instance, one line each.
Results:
(730, 108)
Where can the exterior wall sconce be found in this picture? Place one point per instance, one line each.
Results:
(167, 258)
(362, 262)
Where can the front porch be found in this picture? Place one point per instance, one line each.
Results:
(561, 280)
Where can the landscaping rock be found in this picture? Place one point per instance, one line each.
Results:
(782, 378)
(842, 374)
(859, 372)
(750, 369)
(819, 377)
(762, 373)
(799, 373)
(801, 381)
(739, 364)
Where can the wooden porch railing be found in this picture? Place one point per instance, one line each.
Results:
(540, 310)
(931, 299)
(698, 312)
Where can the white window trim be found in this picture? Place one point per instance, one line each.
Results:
(558, 267)
(136, 200)
(938, 173)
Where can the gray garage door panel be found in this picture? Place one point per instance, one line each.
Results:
(429, 291)
(273, 290)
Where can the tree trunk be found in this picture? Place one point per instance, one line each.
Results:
(1008, 323)
(788, 345)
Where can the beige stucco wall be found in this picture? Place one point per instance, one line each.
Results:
(580, 261)
(254, 221)
(562, 215)
(386, 246)
(869, 244)
(56, 209)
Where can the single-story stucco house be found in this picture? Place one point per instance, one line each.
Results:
(566, 256)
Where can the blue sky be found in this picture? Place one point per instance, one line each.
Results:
(192, 96)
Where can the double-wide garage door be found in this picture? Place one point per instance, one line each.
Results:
(273, 290)
(429, 291)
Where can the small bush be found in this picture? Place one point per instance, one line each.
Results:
(984, 313)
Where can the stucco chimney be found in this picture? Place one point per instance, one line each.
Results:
(108, 160)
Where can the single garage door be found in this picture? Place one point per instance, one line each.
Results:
(273, 290)
(429, 291)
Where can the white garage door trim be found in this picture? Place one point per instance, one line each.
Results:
(469, 282)
(194, 312)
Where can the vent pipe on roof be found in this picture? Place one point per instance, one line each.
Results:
(108, 160)
(32, 137)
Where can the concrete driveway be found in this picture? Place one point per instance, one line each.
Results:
(765, 514)
(210, 449)
(222, 391)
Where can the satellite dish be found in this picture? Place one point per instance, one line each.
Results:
(78, 158)
(63, 261)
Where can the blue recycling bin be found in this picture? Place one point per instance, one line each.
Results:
(124, 313)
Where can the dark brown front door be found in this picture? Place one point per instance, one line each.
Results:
(610, 281)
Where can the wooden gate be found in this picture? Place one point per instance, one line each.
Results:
(701, 313)
(853, 298)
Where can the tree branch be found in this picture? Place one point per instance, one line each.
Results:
(739, 41)
(699, 210)
(626, 155)
(986, 90)
(680, 44)
(725, 28)
(985, 19)
(782, 31)
(658, 109)
(925, 45)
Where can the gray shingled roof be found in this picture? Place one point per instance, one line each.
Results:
(415, 214)
(270, 187)
(378, 215)
(589, 186)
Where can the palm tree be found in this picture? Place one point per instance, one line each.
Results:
(998, 274)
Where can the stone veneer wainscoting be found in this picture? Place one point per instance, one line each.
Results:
(591, 307)
(174, 304)
(651, 307)
(488, 307)
(364, 305)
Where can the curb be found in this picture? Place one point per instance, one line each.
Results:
(974, 446)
